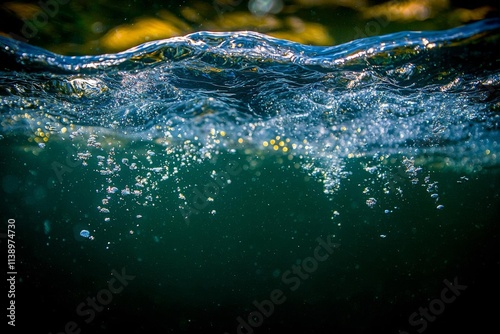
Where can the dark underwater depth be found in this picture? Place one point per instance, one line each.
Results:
(238, 183)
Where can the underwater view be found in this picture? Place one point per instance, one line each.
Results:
(246, 181)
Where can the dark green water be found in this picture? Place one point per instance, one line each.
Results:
(173, 157)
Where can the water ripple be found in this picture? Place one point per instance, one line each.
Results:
(431, 93)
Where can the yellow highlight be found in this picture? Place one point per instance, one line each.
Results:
(282, 143)
(142, 30)
(240, 140)
(223, 133)
(285, 149)
(466, 15)
(304, 32)
(191, 14)
(245, 20)
(63, 130)
(409, 10)
(487, 152)
(265, 144)
(276, 147)
(23, 10)
(272, 141)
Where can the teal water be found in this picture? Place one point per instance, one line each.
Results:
(210, 166)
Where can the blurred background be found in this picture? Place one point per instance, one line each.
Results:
(77, 27)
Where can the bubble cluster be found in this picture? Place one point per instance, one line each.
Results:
(143, 128)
